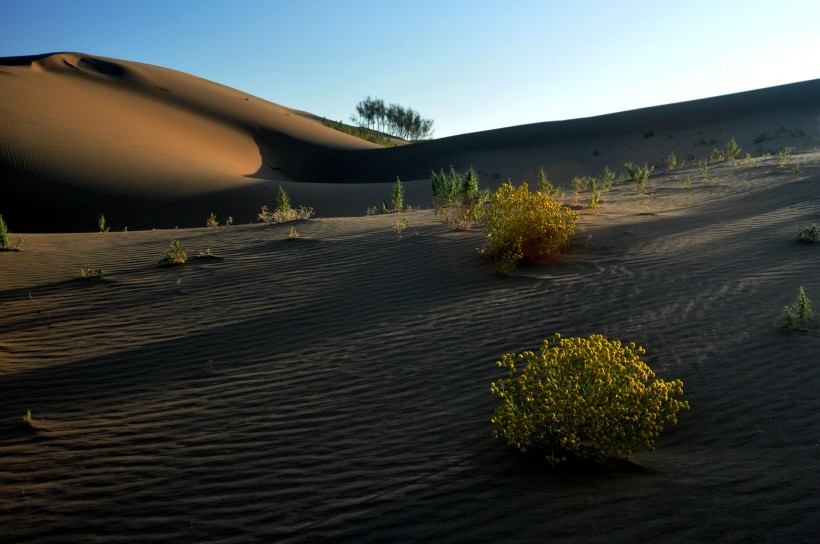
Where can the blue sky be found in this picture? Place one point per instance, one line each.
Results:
(469, 65)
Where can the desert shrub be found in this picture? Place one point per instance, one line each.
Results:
(293, 234)
(4, 234)
(212, 221)
(732, 150)
(521, 225)
(284, 212)
(784, 156)
(283, 202)
(717, 155)
(459, 198)
(588, 398)
(399, 227)
(398, 196)
(762, 137)
(607, 178)
(580, 184)
(175, 254)
(101, 223)
(671, 161)
(639, 174)
(86, 272)
(445, 188)
(799, 316)
(810, 234)
(546, 186)
(703, 166)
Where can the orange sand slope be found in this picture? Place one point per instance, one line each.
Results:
(151, 147)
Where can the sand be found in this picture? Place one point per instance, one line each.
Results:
(336, 388)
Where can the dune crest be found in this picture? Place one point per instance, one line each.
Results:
(153, 147)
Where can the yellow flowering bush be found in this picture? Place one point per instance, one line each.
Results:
(588, 398)
(522, 225)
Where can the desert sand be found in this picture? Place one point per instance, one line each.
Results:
(336, 387)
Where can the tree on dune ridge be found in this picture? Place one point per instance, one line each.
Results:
(405, 123)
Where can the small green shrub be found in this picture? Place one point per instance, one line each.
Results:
(580, 184)
(399, 227)
(212, 221)
(762, 137)
(810, 234)
(717, 156)
(283, 202)
(86, 272)
(671, 161)
(639, 174)
(27, 417)
(398, 196)
(284, 212)
(101, 224)
(607, 178)
(522, 225)
(732, 150)
(4, 234)
(293, 235)
(784, 157)
(175, 254)
(588, 398)
(799, 316)
(459, 198)
(703, 166)
(546, 186)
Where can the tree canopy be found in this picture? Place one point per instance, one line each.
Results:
(392, 119)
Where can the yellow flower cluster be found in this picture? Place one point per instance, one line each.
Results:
(520, 225)
(589, 397)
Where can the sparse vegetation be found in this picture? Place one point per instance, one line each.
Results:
(717, 156)
(293, 234)
(732, 150)
(399, 227)
(585, 398)
(27, 417)
(359, 132)
(784, 157)
(799, 316)
(762, 137)
(810, 234)
(101, 224)
(175, 254)
(87, 272)
(523, 225)
(545, 185)
(212, 221)
(671, 161)
(397, 198)
(639, 174)
(459, 198)
(4, 234)
(703, 166)
(284, 212)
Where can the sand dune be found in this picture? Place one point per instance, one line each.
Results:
(152, 147)
(336, 388)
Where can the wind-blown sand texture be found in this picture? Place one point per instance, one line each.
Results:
(336, 388)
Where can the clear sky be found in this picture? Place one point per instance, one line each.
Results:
(469, 65)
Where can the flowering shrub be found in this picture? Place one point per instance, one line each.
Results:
(520, 225)
(587, 398)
